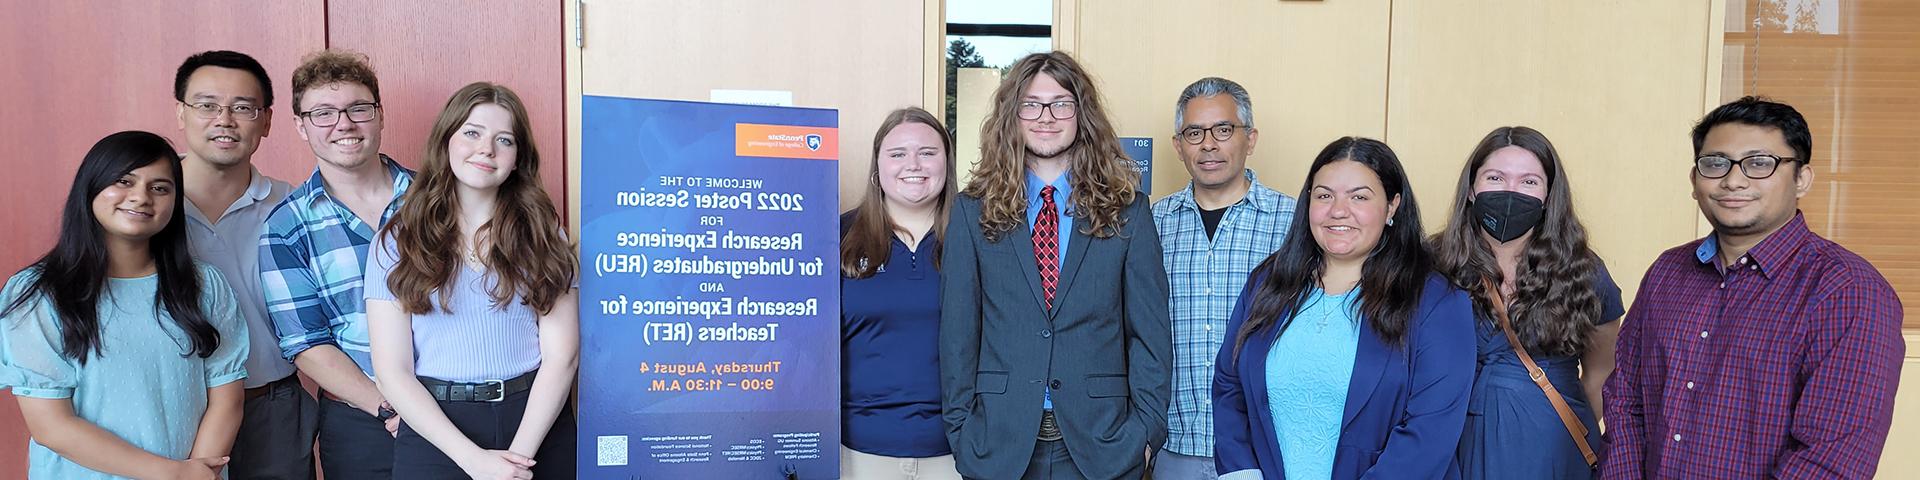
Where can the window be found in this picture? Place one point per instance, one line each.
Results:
(984, 37)
(1852, 67)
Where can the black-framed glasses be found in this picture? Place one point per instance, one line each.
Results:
(1756, 167)
(1221, 132)
(1061, 110)
(327, 117)
(210, 110)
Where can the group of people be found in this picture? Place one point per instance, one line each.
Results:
(436, 310)
(1233, 331)
(1046, 322)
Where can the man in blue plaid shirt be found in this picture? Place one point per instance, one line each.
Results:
(1213, 232)
(314, 250)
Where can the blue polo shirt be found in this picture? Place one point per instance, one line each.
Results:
(890, 356)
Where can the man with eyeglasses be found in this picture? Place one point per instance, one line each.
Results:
(314, 252)
(224, 108)
(1214, 233)
(1762, 350)
(1054, 342)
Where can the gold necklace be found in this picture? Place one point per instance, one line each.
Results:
(473, 256)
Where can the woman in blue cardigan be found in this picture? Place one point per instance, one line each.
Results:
(1351, 358)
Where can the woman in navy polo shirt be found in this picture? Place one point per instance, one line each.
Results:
(890, 306)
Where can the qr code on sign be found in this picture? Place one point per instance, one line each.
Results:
(613, 450)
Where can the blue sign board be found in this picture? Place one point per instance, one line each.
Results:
(709, 297)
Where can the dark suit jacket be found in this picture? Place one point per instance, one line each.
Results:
(1106, 346)
(1405, 408)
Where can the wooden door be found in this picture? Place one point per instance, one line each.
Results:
(425, 50)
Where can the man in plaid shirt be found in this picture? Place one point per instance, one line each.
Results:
(314, 251)
(1213, 232)
(1763, 350)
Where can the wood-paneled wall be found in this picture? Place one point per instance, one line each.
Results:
(1616, 86)
(862, 57)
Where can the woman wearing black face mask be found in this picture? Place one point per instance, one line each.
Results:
(1546, 308)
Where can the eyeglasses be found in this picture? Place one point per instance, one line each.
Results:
(1221, 132)
(1061, 110)
(327, 117)
(210, 110)
(1756, 167)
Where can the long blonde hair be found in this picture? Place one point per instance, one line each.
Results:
(1102, 177)
(526, 252)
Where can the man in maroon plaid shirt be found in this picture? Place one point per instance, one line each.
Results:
(1763, 350)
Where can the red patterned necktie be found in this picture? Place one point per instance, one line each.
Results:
(1046, 243)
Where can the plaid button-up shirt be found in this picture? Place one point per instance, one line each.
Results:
(1205, 277)
(1781, 365)
(311, 260)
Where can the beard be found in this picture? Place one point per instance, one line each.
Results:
(1753, 223)
(1048, 153)
(1734, 227)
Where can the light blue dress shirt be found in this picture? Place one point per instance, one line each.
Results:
(1062, 193)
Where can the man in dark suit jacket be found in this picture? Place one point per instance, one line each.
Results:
(1055, 345)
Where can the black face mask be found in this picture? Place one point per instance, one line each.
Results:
(1507, 215)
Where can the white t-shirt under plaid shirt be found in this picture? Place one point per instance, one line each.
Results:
(1205, 277)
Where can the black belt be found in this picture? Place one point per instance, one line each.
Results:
(487, 391)
(263, 390)
(1049, 427)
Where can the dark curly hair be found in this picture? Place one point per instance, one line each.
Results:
(1553, 306)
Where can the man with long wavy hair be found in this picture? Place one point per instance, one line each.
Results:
(1054, 338)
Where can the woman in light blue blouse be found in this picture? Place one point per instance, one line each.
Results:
(1351, 358)
(472, 305)
(125, 354)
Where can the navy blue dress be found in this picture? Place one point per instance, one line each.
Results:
(1512, 430)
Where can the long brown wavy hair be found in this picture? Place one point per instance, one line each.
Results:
(523, 247)
(1553, 303)
(864, 244)
(1102, 177)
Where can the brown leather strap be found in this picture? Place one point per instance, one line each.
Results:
(1572, 422)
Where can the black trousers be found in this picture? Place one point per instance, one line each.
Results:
(490, 425)
(353, 444)
(1050, 462)
(276, 434)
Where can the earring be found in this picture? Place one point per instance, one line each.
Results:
(1389, 222)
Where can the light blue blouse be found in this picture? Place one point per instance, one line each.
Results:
(143, 386)
(1308, 370)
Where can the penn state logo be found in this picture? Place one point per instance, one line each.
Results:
(813, 142)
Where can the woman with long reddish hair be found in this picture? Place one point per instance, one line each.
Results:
(471, 303)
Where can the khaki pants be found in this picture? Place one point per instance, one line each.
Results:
(856, 465)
